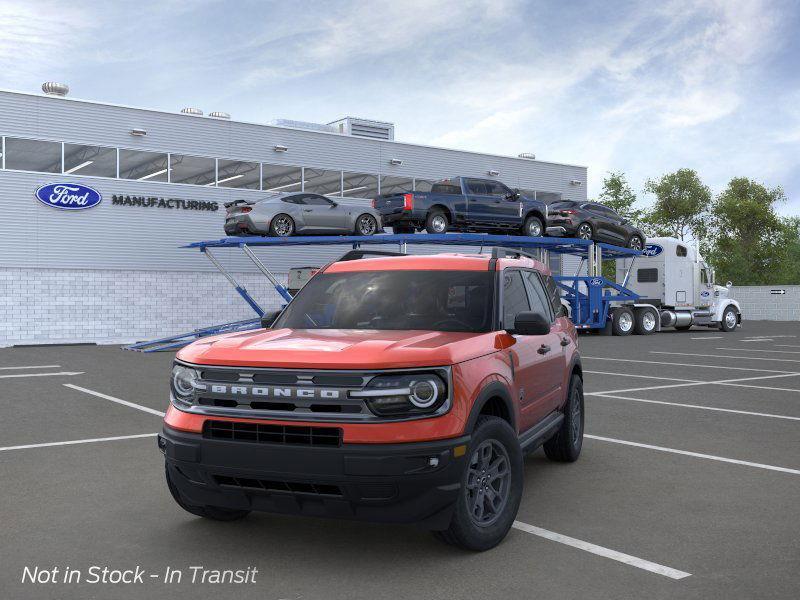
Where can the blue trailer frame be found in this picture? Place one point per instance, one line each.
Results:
(589, 308)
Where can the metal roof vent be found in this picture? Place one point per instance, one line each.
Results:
(219, 115)
(192, 111)
(51, 88)
(377, 130)
(527, 155)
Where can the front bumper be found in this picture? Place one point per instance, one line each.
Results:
(393, 483)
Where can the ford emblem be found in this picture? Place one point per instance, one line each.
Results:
(595, 282)
(652, 250)
(68, 196)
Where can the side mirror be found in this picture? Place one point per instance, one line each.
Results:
(268, 318)
(334, 204)
(531, 323)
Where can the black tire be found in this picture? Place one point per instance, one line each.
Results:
(216, 513)
(566, 444)
(437, 221)
(276, 226)
(645, 322)
(584, 231)
(533, 227)
(403, 228)
(464, 530)
(622, 321)
(635, 242)
(729, 323)
(366, 225)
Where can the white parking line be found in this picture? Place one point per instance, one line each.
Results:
(674, 364)
(639, 563)
(787, 346)
(31, 367)
(146, 409)
(725, 356)
(642, 376)
(694, 454)
(16, 375)
(71, 442)
(708, 337)
(716, 382)
(699, 406)
(758, 350)
(756, 340)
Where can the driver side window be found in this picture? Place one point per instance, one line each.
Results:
(515, 298)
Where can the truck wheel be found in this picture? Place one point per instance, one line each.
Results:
(281, 226)
(436, 222)
(491, 488)
(216, 513)
(622, 321)
(533, 227)
(565, 445)
(366, 225)
(729, 319)
(645, 323)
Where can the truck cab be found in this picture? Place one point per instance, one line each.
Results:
(672, 276)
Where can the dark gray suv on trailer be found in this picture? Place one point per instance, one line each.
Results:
(592, 221)
(300, 213)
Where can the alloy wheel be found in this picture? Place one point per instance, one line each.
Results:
(577, 424)
(730, 319)
(366, 225)
(534, 228)
(625, 321)
(282, 226)
(439, 223)
(488, 482)
(635, 243)
(585, 232)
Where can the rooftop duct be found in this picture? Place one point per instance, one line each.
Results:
(192, 111)
(527, 155)
(303, 125)
(51, 88)
(376, 130)
(219, 115)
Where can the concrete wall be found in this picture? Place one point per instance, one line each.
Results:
(759, 303)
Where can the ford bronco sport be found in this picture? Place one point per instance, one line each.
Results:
(401, 389)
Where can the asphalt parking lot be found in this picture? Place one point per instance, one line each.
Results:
(687, 487)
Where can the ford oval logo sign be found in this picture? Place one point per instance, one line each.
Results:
(595, 282)
(68, 196)
(705, 294)
(652, 250)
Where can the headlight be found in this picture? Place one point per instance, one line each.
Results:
(404, 394)
(183, 382)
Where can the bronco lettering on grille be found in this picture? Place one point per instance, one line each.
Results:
(275, 392)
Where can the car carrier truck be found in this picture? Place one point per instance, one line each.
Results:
(676, 288)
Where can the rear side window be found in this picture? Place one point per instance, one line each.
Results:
(681, 251)
(515, 298)
(554, 295)
(538, 297)
(294, 199)
(476, 186)
(446, 186)
(647, 275)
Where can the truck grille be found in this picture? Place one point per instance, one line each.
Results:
(290, 487)
(263, 433)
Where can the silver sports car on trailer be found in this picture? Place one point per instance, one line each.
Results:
(300, 213)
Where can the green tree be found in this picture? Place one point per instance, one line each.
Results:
(749, 243)
(681, 205)
(618, 195)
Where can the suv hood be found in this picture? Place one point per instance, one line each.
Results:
(340, 348)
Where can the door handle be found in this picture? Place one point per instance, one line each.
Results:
(543, 349)
(565, 341)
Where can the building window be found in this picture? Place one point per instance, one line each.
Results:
(280, 178)
(359, 185)
(194, 170)
(33, 155)
(320, 181)
(143, 166)
(396, 185)
(97, 161)
(237, 174)
(423, 185)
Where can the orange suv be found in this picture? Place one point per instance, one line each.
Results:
(401, 389)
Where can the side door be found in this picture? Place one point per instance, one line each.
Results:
(600, 221)
(705, 290)
(616, 224)
(506, 209)
(323, 214)
(480, 202)
(546, 299)
(530, 355)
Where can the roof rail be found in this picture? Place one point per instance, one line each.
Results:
(504, 252)
(359, 253)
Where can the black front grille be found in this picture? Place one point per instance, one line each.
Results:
(290, 487)
(263, 433)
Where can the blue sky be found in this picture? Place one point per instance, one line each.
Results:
(641, 87)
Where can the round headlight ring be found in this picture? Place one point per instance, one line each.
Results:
(424, 393)
(182, 381)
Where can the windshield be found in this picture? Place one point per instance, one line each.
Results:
(399, 300)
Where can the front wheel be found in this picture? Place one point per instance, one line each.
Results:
(533, 227)
(366, 225)
(584, 231)
(566, 444)
(729, 320)
(491, 488)
(635, 243)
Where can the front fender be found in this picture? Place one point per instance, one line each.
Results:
(723, 304)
